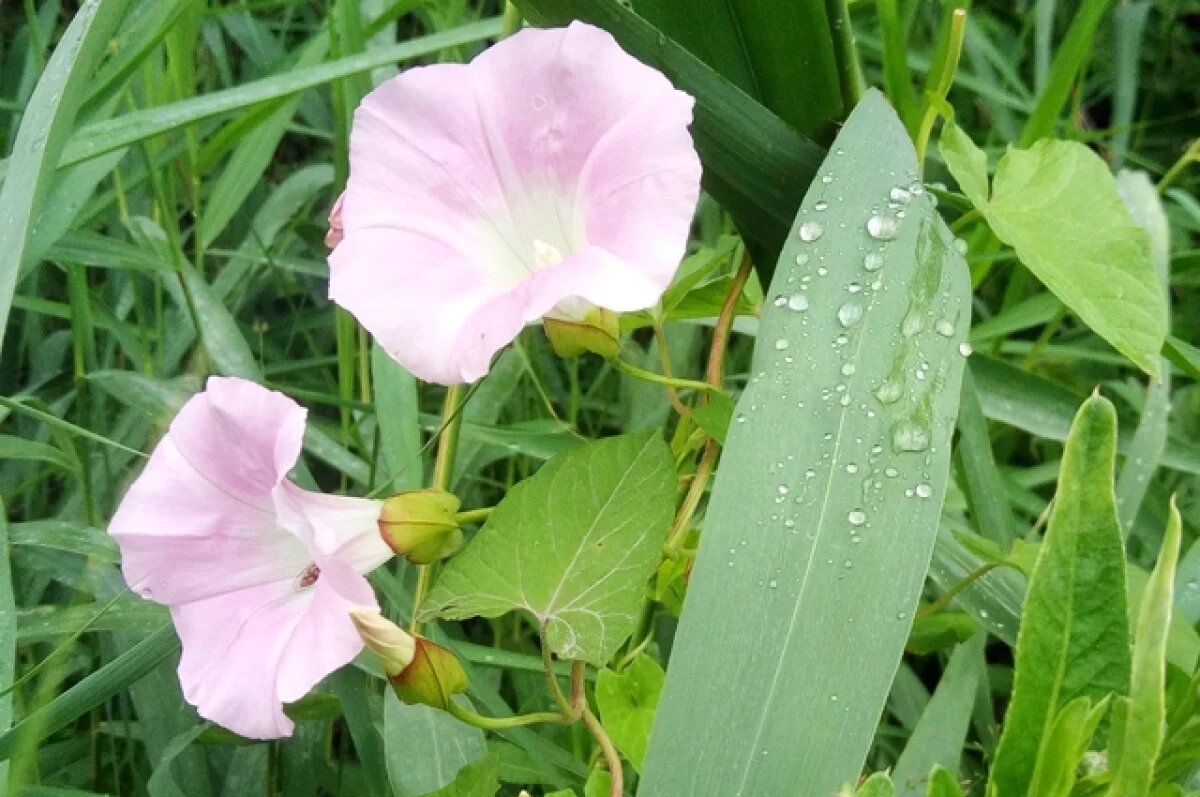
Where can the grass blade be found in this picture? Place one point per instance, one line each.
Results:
(829, 564)
(44, 129)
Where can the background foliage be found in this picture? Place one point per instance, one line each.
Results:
(169, 169)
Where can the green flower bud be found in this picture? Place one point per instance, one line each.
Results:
(420, 526)
(395, 647)
(583, 327)
(432, 677)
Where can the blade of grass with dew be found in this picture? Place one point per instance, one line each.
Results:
(8, 635)
(822, 518)
(47, 123)
(755, 165)
(982, 483)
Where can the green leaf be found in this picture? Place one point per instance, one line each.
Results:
(45, 125)
(599, 783)
(1143, 731)
(778, 51)
(627, 702)
(477, 779)
(1057, 205)
(573, 545)
(714, 416)
(755, 165)
(943, 784)
(1065, 742)
(1074, 637)
(824, 511)
(426, 748)
(940, 733)
(939, 631)
(399, 423)
(878, 785)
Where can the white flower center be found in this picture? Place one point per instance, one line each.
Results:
(535, 230)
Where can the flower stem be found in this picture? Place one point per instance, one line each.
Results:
(474, 515)
(583, 711)
(949, 595)
(567, 707)
(659, 379)
(938, 85)
(503, 723)
(850, 78)
(443, 474)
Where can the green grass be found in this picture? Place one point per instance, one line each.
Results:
(168, 169)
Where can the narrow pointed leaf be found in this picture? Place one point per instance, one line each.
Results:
(824, 511)
(1074, 637)
(1143, 731)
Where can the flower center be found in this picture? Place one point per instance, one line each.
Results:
(308, 576)
(545, 254)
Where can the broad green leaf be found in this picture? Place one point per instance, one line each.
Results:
(943, 784)
(573, 545)
(940, 733)
(45, 126)
(426, 748)
(778, 51)
(1057, 205)
(1150, 438)
(477, 779)
(755, 165)
(823, 514)
(1143, 731)
(627, 703)
(1065, 742)
(1074, 637)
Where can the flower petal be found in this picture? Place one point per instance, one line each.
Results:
(199, 520)
(554, 151)
(245, 653)
(334, 526)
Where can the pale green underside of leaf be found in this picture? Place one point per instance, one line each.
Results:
(1074, 637)
(573, 545)
(1056, 204)
(821, 524)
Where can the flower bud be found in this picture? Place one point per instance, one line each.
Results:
(420, 526)
(394, 646)
(576, 326)
(335, 233)
(432, 677)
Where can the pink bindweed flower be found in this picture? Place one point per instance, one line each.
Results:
(553, 174)
(259, 574)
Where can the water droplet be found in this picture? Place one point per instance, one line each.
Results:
(853, 287)
(844, 400)
(901, 615)
(848, 564)
(851, 467)
(783, 489)
(857, 517)
(821, 205)
(916, 189)
(891, 472)
(850, 314)
(780, 300)
(900, 195)
(802, 259)
(781, 344)
(960, 246)
(924, 490)
(882, 228)
(833, 698)
(798, 302)
(848, 369)
(908, 436)
(772, 584)
(912, 324)
(889, 392)
(809, 474)
(741, 417)
(965, 349)
(822, 271)
(873, 261)
(827, 178)
(811, 231)
(944, 328)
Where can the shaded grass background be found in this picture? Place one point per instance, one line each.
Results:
(199, 146)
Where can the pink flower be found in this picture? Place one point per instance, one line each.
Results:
(260, 575)
(553, 173)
